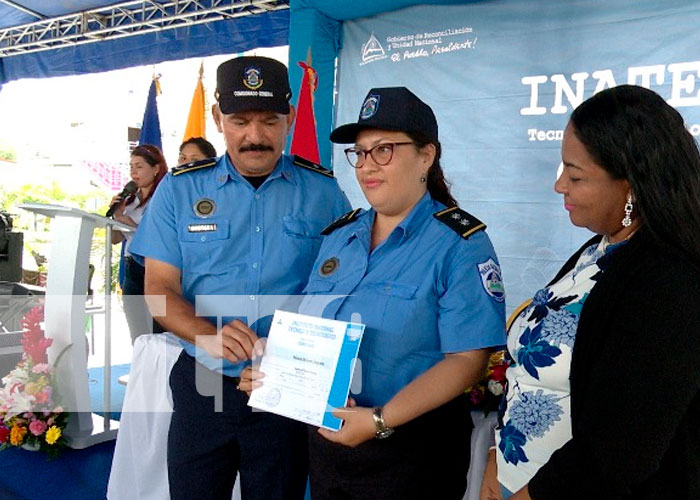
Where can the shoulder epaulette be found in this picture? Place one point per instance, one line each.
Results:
(341, 221)
(309, 165)
(463, 223)
(192, 166)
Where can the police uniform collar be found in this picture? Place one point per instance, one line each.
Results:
(284, 168)
(357, 221)
(417, 215)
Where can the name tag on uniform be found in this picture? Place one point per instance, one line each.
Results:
(201, 228)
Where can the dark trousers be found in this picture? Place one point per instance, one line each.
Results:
(206, 448)
(427, 458)
(137, 316)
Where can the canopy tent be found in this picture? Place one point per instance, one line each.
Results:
(86, 36)
(46, 39)
(502, 102)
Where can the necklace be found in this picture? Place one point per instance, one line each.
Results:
(607, 242)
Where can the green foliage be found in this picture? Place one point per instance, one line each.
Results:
(36, 228)
(6, 154)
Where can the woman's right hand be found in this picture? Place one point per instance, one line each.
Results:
(117, 200)
(490, 489)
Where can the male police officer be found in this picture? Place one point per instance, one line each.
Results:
(247, 224)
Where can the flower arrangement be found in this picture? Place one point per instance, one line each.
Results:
(29, 414)
(488, 393)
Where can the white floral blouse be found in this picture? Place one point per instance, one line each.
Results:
(537, 419)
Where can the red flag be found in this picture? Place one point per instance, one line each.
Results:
(304, 141)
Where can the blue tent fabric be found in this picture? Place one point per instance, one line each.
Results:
(317, 24)
(221, 37)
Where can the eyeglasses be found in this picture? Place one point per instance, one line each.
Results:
(381, 153)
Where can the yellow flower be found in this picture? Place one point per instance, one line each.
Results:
(32, 388)
(17, 435)
(53, 434)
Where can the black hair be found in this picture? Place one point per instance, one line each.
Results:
(438, 187)
(206, 147)
(635, 135)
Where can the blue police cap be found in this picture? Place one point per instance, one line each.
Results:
(252, 83)
(390, 108)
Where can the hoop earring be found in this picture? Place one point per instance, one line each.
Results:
(627, 220)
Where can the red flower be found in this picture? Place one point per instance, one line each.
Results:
(476, 396)
(33, 340)
(498, 372)
(4, 434)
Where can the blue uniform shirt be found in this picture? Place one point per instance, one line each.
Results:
(423, 292)
(228, 238)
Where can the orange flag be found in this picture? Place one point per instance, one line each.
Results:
(195, 120)
(304, 141)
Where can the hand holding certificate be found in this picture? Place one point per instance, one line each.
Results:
(308, 366)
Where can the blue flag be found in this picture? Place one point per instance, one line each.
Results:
(150, 128)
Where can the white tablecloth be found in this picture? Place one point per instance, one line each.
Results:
(139, 467)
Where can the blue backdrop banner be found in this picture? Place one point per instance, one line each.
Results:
(502, 77)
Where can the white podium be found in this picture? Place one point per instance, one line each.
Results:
(64, 317)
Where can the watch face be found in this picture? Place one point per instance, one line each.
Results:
(382, 430)
(385, 433)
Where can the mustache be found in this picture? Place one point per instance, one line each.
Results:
(254, 147)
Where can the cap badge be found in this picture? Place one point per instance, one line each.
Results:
(329, 266)
(204, 207)
(252, 78)
(369, 107)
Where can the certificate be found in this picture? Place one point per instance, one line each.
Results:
(308, 366)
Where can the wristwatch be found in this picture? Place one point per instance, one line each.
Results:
(382, 430)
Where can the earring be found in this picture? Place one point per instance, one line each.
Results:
(423, 179)
(627, 221)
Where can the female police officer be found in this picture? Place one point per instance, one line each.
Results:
(424, 278)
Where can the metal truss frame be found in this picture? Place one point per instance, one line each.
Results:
(124, 19)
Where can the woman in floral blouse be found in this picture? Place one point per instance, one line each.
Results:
(603, 393)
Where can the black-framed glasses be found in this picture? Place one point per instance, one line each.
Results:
(381, 153)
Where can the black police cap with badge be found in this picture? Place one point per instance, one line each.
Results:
(390, 108)
(400, 110)
(252, 83)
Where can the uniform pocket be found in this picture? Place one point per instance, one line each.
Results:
(315, 301)
(301, 228)
(395, 301)
(200, 257)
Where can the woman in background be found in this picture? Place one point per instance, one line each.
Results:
(195, 149)
(603, 396)
(147, 168)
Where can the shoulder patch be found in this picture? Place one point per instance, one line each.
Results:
(195, 165)
(340, 222)
(463, 223)
(309, 165)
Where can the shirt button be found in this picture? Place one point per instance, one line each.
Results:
(257, 196)
(257, 229)
(203, 238)
(255, 265)
(251, 297)
(387, 288)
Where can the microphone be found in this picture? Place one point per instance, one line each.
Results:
(129, 188)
